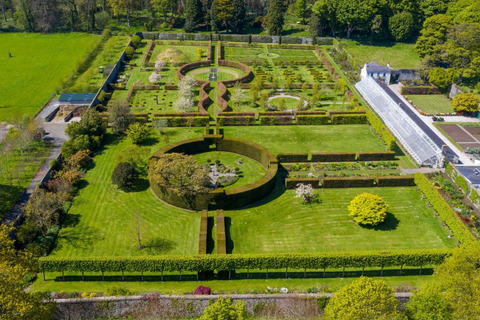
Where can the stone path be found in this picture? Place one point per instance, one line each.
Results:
(214, 174)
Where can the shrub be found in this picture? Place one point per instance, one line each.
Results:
(225, 309)
(138, 132)
(462, 183)
(117, 291)
(202, 290)
(80, 159)
(129, 51)
(136, 40)
(71, 176)
(368, 209)
(124, 175)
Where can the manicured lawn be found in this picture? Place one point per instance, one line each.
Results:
(433, 104)
(327, 138)
(281, 224)
(102, 219)
(400, 55)
(38, 63)
(185, 53)
(289, 103)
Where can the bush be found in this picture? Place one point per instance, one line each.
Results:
(333, 157)
(292, 157)
(138, 132)
(368, 209)
(136, 40)
(115, 291)
(124, 175)
(462, 183)
(202, 290)
(129, 51)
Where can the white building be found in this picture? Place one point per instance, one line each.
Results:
(376, 71)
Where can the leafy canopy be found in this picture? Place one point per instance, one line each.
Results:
(465, 102)
(368, 209)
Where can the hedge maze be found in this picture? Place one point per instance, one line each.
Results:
(337, 146)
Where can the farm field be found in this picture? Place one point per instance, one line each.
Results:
(25, 88)
(399, 55)
(281, 223)
(432, 104)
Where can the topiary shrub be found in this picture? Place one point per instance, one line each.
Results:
(202, 290)
(124, 175)
(368, 209)
(136, 40)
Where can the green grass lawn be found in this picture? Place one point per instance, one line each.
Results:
(327, 138)
(281, 224)
(400, 55)
(38, 63)
(186, 54)
(250, 170)
(102, 218)
(289, 103)
(435, 103)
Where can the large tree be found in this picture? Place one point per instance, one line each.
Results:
(328, 11)
(193, 14)
(164, 7)
(224, 12)
(428, 303)
(355, 14)
(465, 102)
(401, 26)
(275, 17)
(301, 10)
(433, 34)
(442, 78)
(238, 16)
(363, 299)
(44, 208)
(120, 117)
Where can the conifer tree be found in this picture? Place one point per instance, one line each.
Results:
(301, 10)
(238, 19)
(193, 13)
(275, 17)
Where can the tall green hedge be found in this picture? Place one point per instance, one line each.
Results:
(202, 240)
(292, 157)
(381, 130)
(396, 181)
(348, 182)
(443, 208)
(291, 183)
(221, 235)
(312, 119)
(333, 157)
(376, 156)
(349, 119)
(198, 263)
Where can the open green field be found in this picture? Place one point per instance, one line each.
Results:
(38, 63)
(435, 103)
(182, 53)
(400, 55)
(282, 224)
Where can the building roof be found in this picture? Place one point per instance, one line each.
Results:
(372, 66)
(470, 173)
(76, 97)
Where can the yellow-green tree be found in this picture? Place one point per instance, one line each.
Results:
(15, 303)
(199, 53)
(428, 303)
(224, 309)
(465, 102)
(224, 11)
(459, 278)
(368, 209)
(363, 299)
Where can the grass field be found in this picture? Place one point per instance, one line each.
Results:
(433, 104)
(400, 55)
(281, 224)
(38, 63)
(289, 103)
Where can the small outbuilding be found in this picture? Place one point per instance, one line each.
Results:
(376, 71)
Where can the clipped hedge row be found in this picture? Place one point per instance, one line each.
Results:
(312, 120)
(200, 121)
(221, 235)
(202, 240)
(449, 169)
(348, 182)
(309, 113)
(396, 181)
(333, 157)
(462, 183)
(376, 156)
(349, 119)
(333, 113)
(204, 98)
(291, 183)
(292, 157)
(474, 196)
(443, 208)
(419, 90)
(275, 120)
(236, 120)
(198, 263)
(381, 130)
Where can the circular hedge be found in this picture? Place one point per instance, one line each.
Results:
(222, 199)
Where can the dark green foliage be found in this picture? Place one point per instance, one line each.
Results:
(193, 14)
(349, 119)
(401, 26)
(236, 120)
(200, 121)
(291, 183)
(202, 239)
(396, 181)
(275, 120)
(136, 40)
(275, 17)
(443, 209)
(221, 235)
(86, 134)
(350, 182)
(333, 157)
(376, 156)
(120, 118)
(129, 51)
(124, 175)
(238, 20)
(292, 157)
(312, 119)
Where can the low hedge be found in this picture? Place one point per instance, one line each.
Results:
(275, 120)
(291, 183)
(333, 157)
(381, 130)
(333, 113)
(303, 120)
(221, 235)
(198, 263)
(443, 208)
(349, 119)
(462, 183)
(449, 169)
(376, 156)
(236, 120)
(186, 121)
(202, 240)
(292, 157)
(396, 181)
(310, 113)
(348, 182)
(474, 196)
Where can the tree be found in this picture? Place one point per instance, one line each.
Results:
(238, 16)
(275, 17)
(120, 117)
(15, 302)
(154, 77)
(186, 87)
(43, 208)
(368, 209)
(164, 7)
(306, 193)
(442, 78)
(341, 86)
(183, 104)
(213, 16)
(465, 102)
(301, 10)
(138, 133)
(282, 105)
(428, 303)
(238, 95)
(159, 65)
(433, 34)
(355, 14)
(193, 14)
(328, 11)
(180, 173)
(80, 159)
(199, 53)
(264, 100)
(135, 155)
(160, 125)
(401, 26)
(224, 309)
(315, 25)
(224, 11)
(363, 299)
(121, 6)
(85, 134)
(124, 175)
(458, 278)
